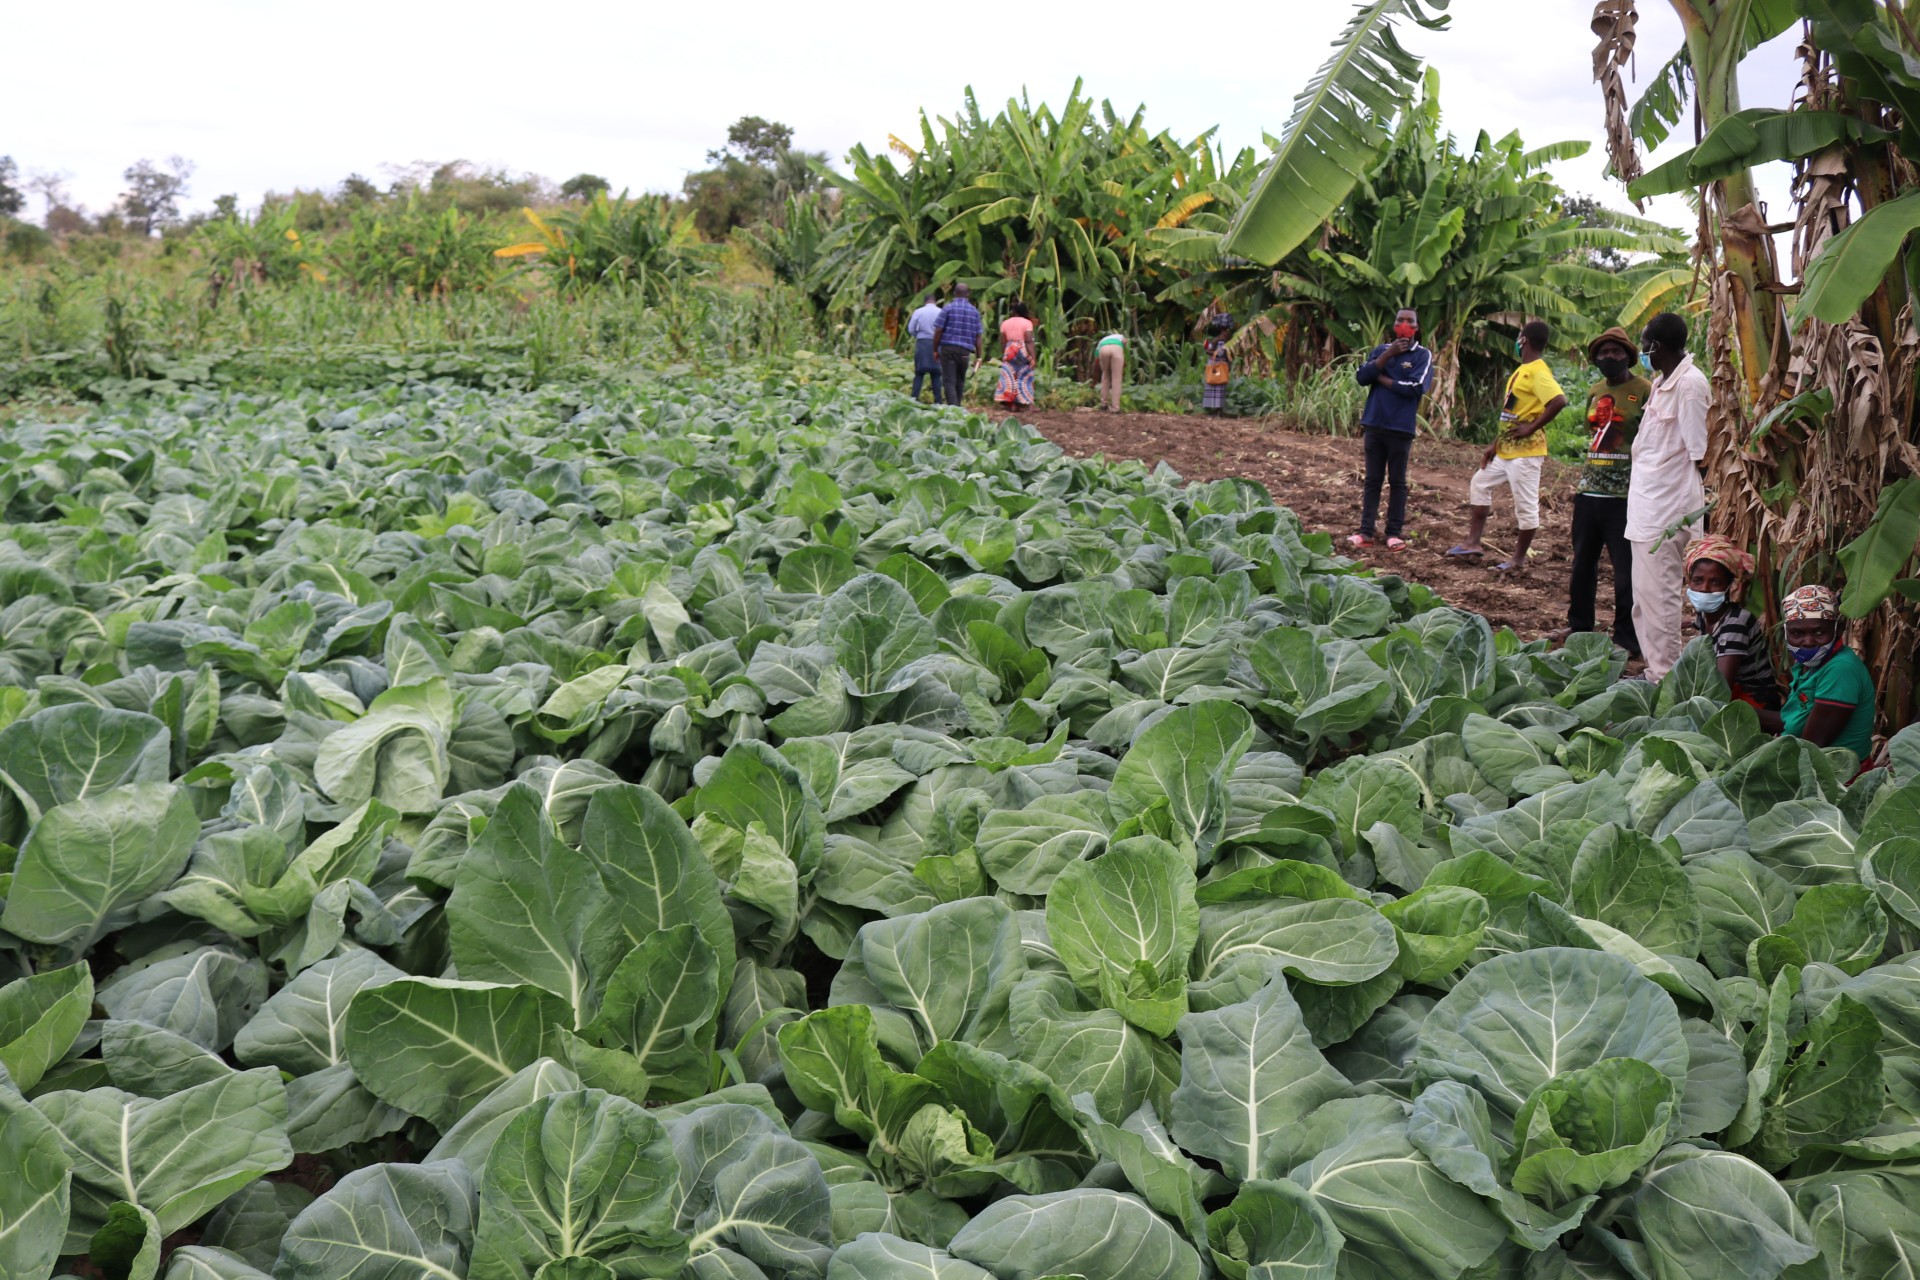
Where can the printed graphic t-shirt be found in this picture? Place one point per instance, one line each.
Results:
(1613, 416)
(1529, 389)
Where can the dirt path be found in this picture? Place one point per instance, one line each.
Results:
(1319, 477)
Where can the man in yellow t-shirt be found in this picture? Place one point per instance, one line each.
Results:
(1517, 457)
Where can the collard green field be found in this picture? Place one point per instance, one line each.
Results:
(762, 828)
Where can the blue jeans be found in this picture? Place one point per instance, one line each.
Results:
(925, 365)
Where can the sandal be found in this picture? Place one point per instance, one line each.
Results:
(1360, 541)
(1396, 544)
(1559, 635)
(1513, 567)
(1463, 553)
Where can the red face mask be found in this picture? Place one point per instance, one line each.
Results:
(1404, 329)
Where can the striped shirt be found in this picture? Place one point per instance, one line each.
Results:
(1739, 635)
(959, 324)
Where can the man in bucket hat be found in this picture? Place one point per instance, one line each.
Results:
(1614, 405)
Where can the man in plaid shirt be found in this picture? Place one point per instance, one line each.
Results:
(957, 338)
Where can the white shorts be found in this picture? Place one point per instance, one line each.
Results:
(1522, 475)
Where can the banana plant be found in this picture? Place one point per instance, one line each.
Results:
(1718, 34)
(1338, 127)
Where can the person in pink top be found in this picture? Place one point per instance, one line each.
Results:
(1665, 493)
(1017, 361)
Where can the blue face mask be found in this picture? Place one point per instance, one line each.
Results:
(1646, 361)
(1519, 347)
(1707, 601)
(1810, 653)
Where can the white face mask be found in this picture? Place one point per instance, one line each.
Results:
(1706, 601)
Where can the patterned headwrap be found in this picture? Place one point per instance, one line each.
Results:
(1721, 550)
(1810, 604)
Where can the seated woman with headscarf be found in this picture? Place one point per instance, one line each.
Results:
(1717, 573)
(1830, 701)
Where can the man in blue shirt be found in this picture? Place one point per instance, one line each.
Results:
(1396, 374)
(920, 327)
(958, 336)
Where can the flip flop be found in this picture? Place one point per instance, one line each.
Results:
(1359, 541)
(1396, 544)
(1463, 553)
(1510, 566)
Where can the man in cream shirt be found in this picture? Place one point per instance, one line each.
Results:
(1669, 460)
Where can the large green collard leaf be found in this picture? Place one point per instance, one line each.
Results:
(33, 1194)
(1247, 1070)
(205, 994)
(127, 1244)
(205, 1262)
(661, 1006)
(1032, 1132)
(90, 862)
(1025, 850)
(833, 1065)
(875, 629)
(1335, 941)
(1624, 879)
(1714, 1213)
(1274, 1231)
(878, 1256)
(68, 753)
(1386, 1198)
(177, 1156)
(1184, 758)
(470, 1139)
(396, 753)
(302, 1028)
(1450, 1126)
(654, 868)
(1517, 1021)
(1124, 925)
(1590, 1130)
(1085, 1051)
(584, 1175)
(1096, 1234)
(747, 1189)
(1170, 1182)
(384, 1222)
(948, 972)
(527, 909)
(434, 1047)
(754, 784)
(1865, 1222)
(40, 1017)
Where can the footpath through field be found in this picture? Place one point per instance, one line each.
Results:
(1319, 477)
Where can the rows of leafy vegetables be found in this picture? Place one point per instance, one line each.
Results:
(756, 829)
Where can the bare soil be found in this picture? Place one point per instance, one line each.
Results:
(1320, 479)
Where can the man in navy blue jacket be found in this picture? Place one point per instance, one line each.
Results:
(1396, 374)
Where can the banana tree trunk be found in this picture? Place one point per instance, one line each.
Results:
(1746, 247)
(1443, 402)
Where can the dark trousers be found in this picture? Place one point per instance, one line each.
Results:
(925, 365)
(953, 370)
(1600, 524)
(1386, 460)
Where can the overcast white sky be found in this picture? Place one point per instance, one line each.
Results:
(268, 96)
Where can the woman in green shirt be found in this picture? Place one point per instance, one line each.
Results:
(1830, 702)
